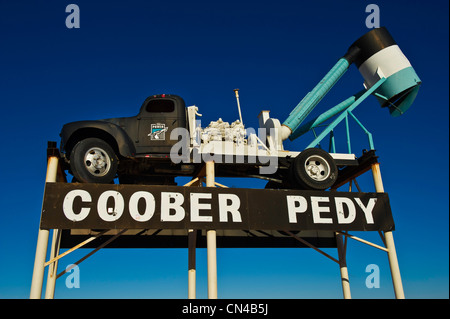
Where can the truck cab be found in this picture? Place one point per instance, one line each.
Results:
(93, 149)
(159, 116)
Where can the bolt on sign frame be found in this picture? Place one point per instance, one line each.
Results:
(224, 222)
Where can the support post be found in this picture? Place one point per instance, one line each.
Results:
(343, 267)
(192, 244)
(53, 267)
(211, 242)
(42, 241)
(389, 239)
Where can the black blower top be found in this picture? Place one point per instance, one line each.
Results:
(370, 43)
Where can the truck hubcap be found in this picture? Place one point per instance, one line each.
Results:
(97, 162)
(317, 168)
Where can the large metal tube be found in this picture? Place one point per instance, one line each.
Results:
(309, 102)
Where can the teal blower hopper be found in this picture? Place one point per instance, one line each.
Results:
(377, 56)
(380, 56)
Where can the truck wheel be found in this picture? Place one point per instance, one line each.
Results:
(314, 169)
(93, 161)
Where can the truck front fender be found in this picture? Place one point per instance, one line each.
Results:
(74, 132)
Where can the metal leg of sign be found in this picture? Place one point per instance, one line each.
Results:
(389, 240)
(363, 241)
(53, 267)
(192, 243)
(83, 243)
(212, 264)
(341, 247)
(211, 242)
(395, 269)
(42, 241)
(311, 246)
(92, 252)
(193, 181)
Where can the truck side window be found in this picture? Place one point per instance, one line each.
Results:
(160, 105)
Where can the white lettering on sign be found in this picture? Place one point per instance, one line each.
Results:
(340, 203)
(367, 210)
(149, 206)
(68, 205)
(345, 209)
(111, 206)
(317, 209)
(172, 202)
(296, 204)
(196, 206)
(113, 213)
(233, 208)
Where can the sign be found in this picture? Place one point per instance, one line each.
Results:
(105, 206)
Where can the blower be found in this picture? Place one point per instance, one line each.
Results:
(387, 73)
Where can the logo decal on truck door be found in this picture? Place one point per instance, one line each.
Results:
(158, 132)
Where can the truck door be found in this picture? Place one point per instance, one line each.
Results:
(159, 116)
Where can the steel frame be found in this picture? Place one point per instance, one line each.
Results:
(54, 173)
(344, 109)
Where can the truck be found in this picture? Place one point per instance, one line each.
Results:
(164, 140)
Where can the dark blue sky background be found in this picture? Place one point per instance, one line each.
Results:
(275, 52)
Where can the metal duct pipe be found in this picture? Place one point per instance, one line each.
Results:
(309, 102)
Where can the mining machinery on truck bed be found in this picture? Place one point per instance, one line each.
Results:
(164, 139)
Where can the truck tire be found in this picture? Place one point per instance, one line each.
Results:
(93, 161)
(314, 169)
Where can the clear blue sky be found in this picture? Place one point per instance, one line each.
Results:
(275, 52)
